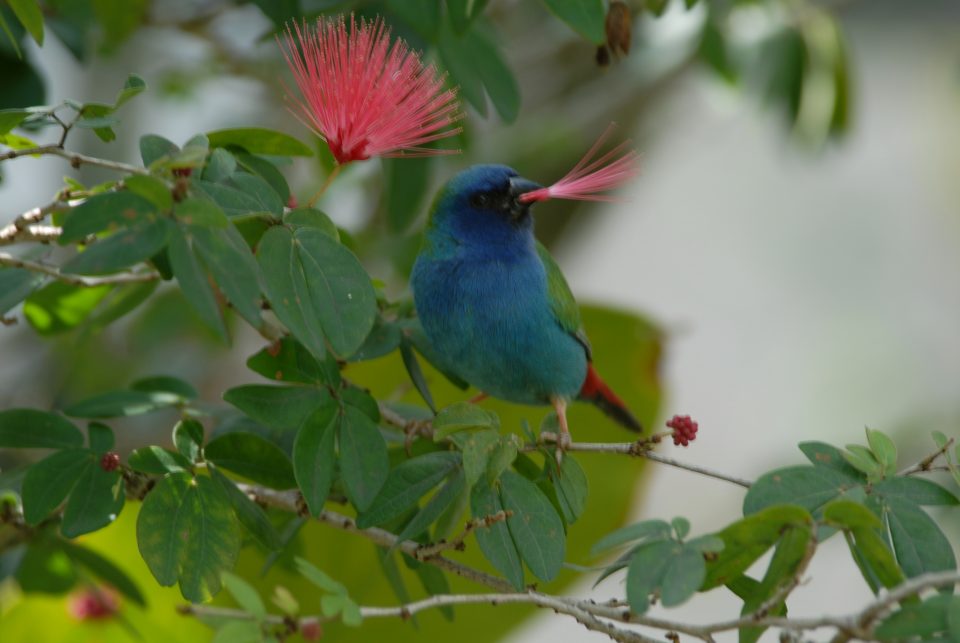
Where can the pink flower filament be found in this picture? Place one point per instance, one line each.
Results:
(591, 176)
(365, 96)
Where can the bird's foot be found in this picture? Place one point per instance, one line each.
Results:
(563, 440)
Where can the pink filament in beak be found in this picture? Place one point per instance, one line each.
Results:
(589, 177)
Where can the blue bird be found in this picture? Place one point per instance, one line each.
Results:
(495, 306)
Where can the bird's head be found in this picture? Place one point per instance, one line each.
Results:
(482, 203)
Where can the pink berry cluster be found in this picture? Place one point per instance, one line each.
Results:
(93, 604)
(684, 429)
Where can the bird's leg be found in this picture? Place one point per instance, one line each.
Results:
(479, 397)
(563, 440)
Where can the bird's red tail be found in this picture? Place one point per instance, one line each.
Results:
(596, 391)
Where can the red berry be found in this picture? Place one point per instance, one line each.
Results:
(182, 171)
(684, 429)
(110, 461)
(292, 202)
(311, 630)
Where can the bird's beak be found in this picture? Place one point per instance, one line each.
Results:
(518, 186)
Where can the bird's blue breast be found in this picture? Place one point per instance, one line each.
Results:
(485, 309)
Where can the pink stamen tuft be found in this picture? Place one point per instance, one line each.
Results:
(365, 96)
(590, 175)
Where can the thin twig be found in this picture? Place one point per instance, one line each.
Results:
(76, 280)
(927, 463)
(458, 541)
(29, 233)
(76, 159)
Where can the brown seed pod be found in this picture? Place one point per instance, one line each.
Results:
(619, 26)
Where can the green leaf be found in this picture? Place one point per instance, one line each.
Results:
(245, 595)
(434, 583)
(862, 459)
(652, 529)
(10, 118)
(462, 416)
(280, 407)
(166, 384)
(260, 191)
(535, 527)
(220, 166)
(259, 141)
(809, 487)
(586, 17)
(682, 577)
(105, 570)
(152, 189)
(406, 187)
(103, 212)
(934, 616)
(309, 279)
(646, 571)
(122, 404)
(570, 483)
(29, 14)
(875, 559)
(157, 461)
(463, 12)
(502, 457)
(319, 578)
(46, 568)
(121, 250)
(847, 514)
(200, 212)
(747, 539)
(477, 447)
(233, 201)
(154, 148)
(59, 307)
(253, 457)
(311, 218)
(884, 450)
(406, 484)
(194, 283)
(916, 491)
(187, 532)
(314, 458)
(495, 540)
(435, 507)
(33, 429)
(288, 361)
(188, 438)
(48, 482)
(233, 267)
(681, 526)
(412, 366)
(821, 454)
(100, 437)
(364, 463)
(238, 632)
(133, 86)
(249, 513)
(94, 502)
(918, 541)
(15, 285)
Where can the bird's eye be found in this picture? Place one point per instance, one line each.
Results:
(480, 200)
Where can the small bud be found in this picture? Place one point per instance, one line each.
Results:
(310, 630)
(93, 603)
(292, 202)
(110, 461)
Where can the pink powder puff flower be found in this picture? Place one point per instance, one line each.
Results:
(591, 176)
(365, 96)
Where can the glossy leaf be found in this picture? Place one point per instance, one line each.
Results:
(188, 438)
(157, 461)
(252, 457)
(33, 429)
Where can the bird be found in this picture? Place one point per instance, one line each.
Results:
(496, 308)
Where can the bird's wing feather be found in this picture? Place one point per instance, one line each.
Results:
(562, 303)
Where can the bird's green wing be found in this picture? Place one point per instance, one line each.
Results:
(561, 299)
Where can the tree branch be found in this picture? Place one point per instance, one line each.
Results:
(927, 463)
(76, 280)
(76, 159)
